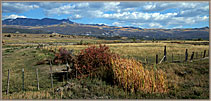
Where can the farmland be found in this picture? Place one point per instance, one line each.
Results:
(185, 80)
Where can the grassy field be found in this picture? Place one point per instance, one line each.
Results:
(142, 51)
(47, 38)
(186, 80)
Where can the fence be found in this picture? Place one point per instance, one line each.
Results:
(37, 78)
(165, 58)
(173, 57)
(193, 56)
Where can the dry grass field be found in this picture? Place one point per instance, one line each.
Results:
(186, 80)
(142, 51)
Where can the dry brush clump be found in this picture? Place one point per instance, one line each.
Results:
(63, 56)
(128, 73)
(132, 76)
(95, 61)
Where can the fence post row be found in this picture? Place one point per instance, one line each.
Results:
(204, 53)
(165, 58)
(23, 79)
(55, 50)
(192, 56)
(8, 81)
(146, 59)
(186, 55)
(172, 57)
(51, 74)
(38, 87)
(67, 66)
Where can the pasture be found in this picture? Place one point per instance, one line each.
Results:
(186, 80)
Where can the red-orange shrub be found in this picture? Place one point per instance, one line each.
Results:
(63, 56)
(95, 60)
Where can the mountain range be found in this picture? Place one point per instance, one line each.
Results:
(34, 22)
(65, 26)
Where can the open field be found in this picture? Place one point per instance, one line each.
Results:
(185, 80)
(141, 51)
(48, 38)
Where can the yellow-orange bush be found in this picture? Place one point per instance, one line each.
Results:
(131, 75)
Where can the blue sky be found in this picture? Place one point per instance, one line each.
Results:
(137, 14)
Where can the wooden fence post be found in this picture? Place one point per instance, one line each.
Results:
(208, 52)
(165, 58)
(172, 57)
(23, 79)
(192, 56)
(156, 58)
(38, 87)
(204, 53)
(146, 59)
(8, 81)
(51, 74)
(186, 55)
(67, 66)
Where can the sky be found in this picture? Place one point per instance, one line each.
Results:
(136, 14)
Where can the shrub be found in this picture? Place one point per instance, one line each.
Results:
(132, 76)
(95, 61)
(81, 42)
(128, 73)
(64, 56)
(117, 41)
(7, 35)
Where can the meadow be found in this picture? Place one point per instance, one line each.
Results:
(186, 80)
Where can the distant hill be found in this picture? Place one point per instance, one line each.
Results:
(20, 30)
(47, 26)
(34, 22)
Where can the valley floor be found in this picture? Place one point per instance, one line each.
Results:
(186, 80)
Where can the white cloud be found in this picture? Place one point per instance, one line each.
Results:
(81, 5)
(187, 21)
(155, 25)
(149, 7)
(76, 17)
(116, 24)
(187, 5)
(17, 7)
(111, 6)
(48, 5)
(204, 18)
(138, 24)
(205, 7)
(13, 16)
(139, 15)
(151, 14)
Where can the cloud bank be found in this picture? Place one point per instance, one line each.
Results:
(139, 14)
